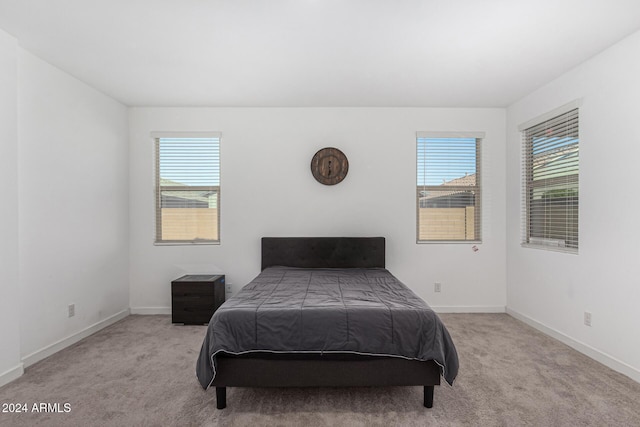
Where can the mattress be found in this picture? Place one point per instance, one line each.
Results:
(327, 311)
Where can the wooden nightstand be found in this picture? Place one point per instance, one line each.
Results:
(194, 298)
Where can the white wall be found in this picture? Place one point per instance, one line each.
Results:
(73, 186)
(553, 290)
(267, 190)
(10, 365)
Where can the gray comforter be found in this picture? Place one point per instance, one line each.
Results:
(294, 310)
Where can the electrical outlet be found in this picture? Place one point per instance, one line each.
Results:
(72, 310)
(587, 318)
(437, 287)
(227, 289)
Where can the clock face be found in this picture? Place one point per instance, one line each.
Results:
(329, 166)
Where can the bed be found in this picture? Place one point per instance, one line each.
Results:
(324, 312)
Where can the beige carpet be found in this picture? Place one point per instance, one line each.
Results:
(141, 371)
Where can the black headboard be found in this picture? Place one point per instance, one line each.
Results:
(323, 252)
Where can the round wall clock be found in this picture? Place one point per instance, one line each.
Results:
(329, 166)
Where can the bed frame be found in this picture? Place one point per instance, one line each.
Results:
(342, 370)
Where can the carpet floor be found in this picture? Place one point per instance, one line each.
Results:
(141, 372)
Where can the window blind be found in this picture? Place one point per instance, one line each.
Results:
(448, 188)
(187, 189)
(550, 183)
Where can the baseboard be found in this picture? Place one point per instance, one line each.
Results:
(72, 339)
(437, 309)
(604, 358)
(11, 374)
(469, 309)
(150, 310)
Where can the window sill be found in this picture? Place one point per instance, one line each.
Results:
(572, 251)
(186, 243)
(455, 242)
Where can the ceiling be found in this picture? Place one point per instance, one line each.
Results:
(318, 53)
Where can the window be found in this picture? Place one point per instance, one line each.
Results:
(550, 181)
(187, 188)
(448, 187)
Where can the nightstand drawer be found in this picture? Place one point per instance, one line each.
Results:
(192, 288)
(192, 296)
(191, 314)
(193, 300)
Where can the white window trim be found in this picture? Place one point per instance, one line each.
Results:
(171, 134)
(547, 245)
(155, 135)
(455, 134)
(448, 134)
